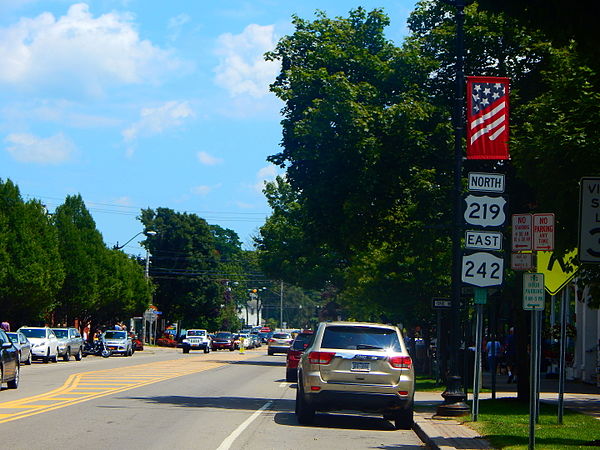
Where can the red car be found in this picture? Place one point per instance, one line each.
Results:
(302, 341)
(224, 340)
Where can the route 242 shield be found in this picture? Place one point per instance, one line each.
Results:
(482, 269)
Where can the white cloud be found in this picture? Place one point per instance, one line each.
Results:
(123, 201)
(242, 69)
(176, 24)
(78, 50)
(264, 175)
(208, 160)
(155, 121)
(204, 190)
(28, 148)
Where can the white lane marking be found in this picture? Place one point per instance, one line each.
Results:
(226, 444)
(284, 384)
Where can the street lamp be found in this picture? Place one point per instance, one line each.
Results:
(147, 233)
(454, 397)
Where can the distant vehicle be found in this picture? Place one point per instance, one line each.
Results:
(356, 366)
(196, 340)
(138, 345)
(224, 340)
(118, 342)
(44, 343)
(23, 346)
(9, 358)
(244, 340)
(256, 340)
(301, 341)
(279, 343)
(69, 343)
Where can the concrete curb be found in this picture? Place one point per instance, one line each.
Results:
(445, 434)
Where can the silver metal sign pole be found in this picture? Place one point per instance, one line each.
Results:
(477, 374)
(563, 354)
(532, 380)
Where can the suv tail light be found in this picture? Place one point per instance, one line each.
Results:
(401, 362)
(320, 357)
(271, 340)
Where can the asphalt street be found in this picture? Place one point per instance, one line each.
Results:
(162, 398)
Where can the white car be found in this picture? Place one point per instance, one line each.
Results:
(44, 343)
(196, 340)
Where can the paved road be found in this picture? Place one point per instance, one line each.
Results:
(165, 399)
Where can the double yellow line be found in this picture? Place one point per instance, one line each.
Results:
(84, 386)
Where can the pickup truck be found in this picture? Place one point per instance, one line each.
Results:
(196, 340)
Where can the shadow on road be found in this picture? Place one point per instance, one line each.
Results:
(239, 403)
(337, 421)
(261, 363)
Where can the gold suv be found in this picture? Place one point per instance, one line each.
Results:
(356, 366)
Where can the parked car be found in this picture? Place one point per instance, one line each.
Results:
(300, 342)
(44, 343)
(118, 342)
(224, 340)
(69, 343)
(244, 340)
(138, 344)
(279, 343)
(256, 340)
(196, 340)
(9, 358)
(23, 346)
(356, 366)
(265, 335)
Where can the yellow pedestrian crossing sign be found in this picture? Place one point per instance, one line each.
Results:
(557, 271)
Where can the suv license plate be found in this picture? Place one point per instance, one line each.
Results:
(361, 366)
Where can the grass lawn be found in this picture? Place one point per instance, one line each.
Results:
(505, 424)
(426, 384)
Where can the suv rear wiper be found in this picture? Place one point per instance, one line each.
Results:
(368, 347)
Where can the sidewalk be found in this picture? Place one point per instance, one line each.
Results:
(447, 433)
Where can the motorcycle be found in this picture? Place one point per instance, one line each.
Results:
(97, 348)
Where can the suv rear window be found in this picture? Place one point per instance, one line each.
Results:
(282, 336)
(302, 341)
(360, 338)
(196, 332)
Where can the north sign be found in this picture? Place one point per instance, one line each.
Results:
(483, 240)
(486, 182)
(589, 220)
(485, 211)
(482, 269)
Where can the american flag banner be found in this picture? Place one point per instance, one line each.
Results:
(487, 117)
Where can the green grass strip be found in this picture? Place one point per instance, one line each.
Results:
(505, 424)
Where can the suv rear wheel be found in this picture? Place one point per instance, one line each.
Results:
(304, 412)
(403, 419)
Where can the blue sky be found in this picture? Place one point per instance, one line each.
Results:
(148, 103)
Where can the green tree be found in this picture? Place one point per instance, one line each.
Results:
(31, 269)
(81, 247)
(184, 267)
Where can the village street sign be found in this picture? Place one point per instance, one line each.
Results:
(589, 220)
(483, 240)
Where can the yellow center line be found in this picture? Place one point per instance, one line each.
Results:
(86, 382)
